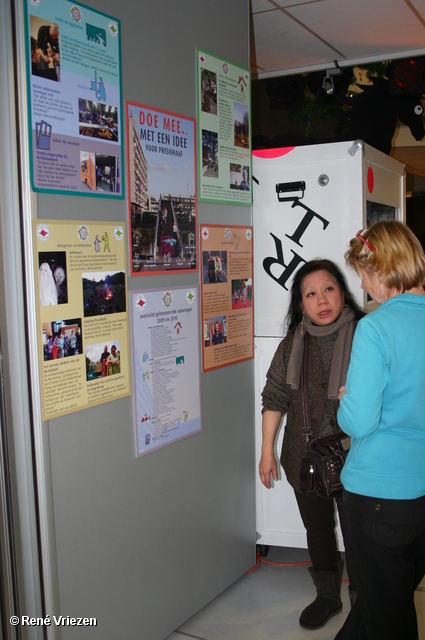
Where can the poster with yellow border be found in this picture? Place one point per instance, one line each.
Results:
(82, 314)
(227, 295)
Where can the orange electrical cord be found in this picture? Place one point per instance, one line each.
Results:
(275, 564)
(280, 564)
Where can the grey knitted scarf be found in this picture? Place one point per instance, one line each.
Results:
(341, 355)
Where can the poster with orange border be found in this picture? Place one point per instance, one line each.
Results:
(227, 294)
(162, 200)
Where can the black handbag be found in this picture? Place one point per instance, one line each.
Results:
(321, 467)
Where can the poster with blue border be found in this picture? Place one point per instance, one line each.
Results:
(166, 366)
(73, 58)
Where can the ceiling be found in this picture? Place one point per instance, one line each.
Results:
(294, 36)
(289, 37)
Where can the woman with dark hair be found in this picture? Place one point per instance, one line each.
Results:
(321, 320)
(295, 313)
(382, 409)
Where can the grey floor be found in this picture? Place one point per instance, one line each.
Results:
(266, 604)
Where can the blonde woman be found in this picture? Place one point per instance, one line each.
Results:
(382, 409)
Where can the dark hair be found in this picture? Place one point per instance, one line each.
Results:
(294, 315)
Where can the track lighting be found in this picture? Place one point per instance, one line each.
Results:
(328, 83)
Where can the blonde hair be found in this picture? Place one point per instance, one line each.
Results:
(390, 250)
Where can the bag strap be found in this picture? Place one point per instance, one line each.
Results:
(305, 402)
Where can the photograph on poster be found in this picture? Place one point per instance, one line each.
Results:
(239, 177)
(98, 172)
(45, 56)
(162, 188)
(209, 91)
(103, 360)
(215, 331)
(214, 267)
(209, 154)
(61, 339)
(98, 120)
(241, 125)
(104, 293)
(52, 278)
(242, 293)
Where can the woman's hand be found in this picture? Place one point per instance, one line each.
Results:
(45, 57)
(341, 392)
(267, 466)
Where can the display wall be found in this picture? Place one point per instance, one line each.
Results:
(140, 544)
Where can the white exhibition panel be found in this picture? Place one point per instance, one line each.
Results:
(308, 203)
(338, 203)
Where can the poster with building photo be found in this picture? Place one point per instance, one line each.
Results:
(82, 315)
(224, 130)
(162, 191)
(227, 295)
(74, 88)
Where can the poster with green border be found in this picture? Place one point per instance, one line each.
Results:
(224, 130)
(73, 56)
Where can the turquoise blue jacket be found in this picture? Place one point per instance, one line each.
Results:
(383, 408)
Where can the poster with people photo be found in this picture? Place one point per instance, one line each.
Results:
(73, 58)
(224, 130)
(82, 316)
(227, 295)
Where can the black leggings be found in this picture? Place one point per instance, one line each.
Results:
(318, 516)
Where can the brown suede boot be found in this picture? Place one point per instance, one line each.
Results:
(328, 601)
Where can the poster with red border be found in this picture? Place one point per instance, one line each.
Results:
(161, 162)
(227, 294)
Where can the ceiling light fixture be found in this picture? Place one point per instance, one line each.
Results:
(328, 83)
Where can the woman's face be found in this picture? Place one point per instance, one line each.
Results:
(322, 300)
(371, 283)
